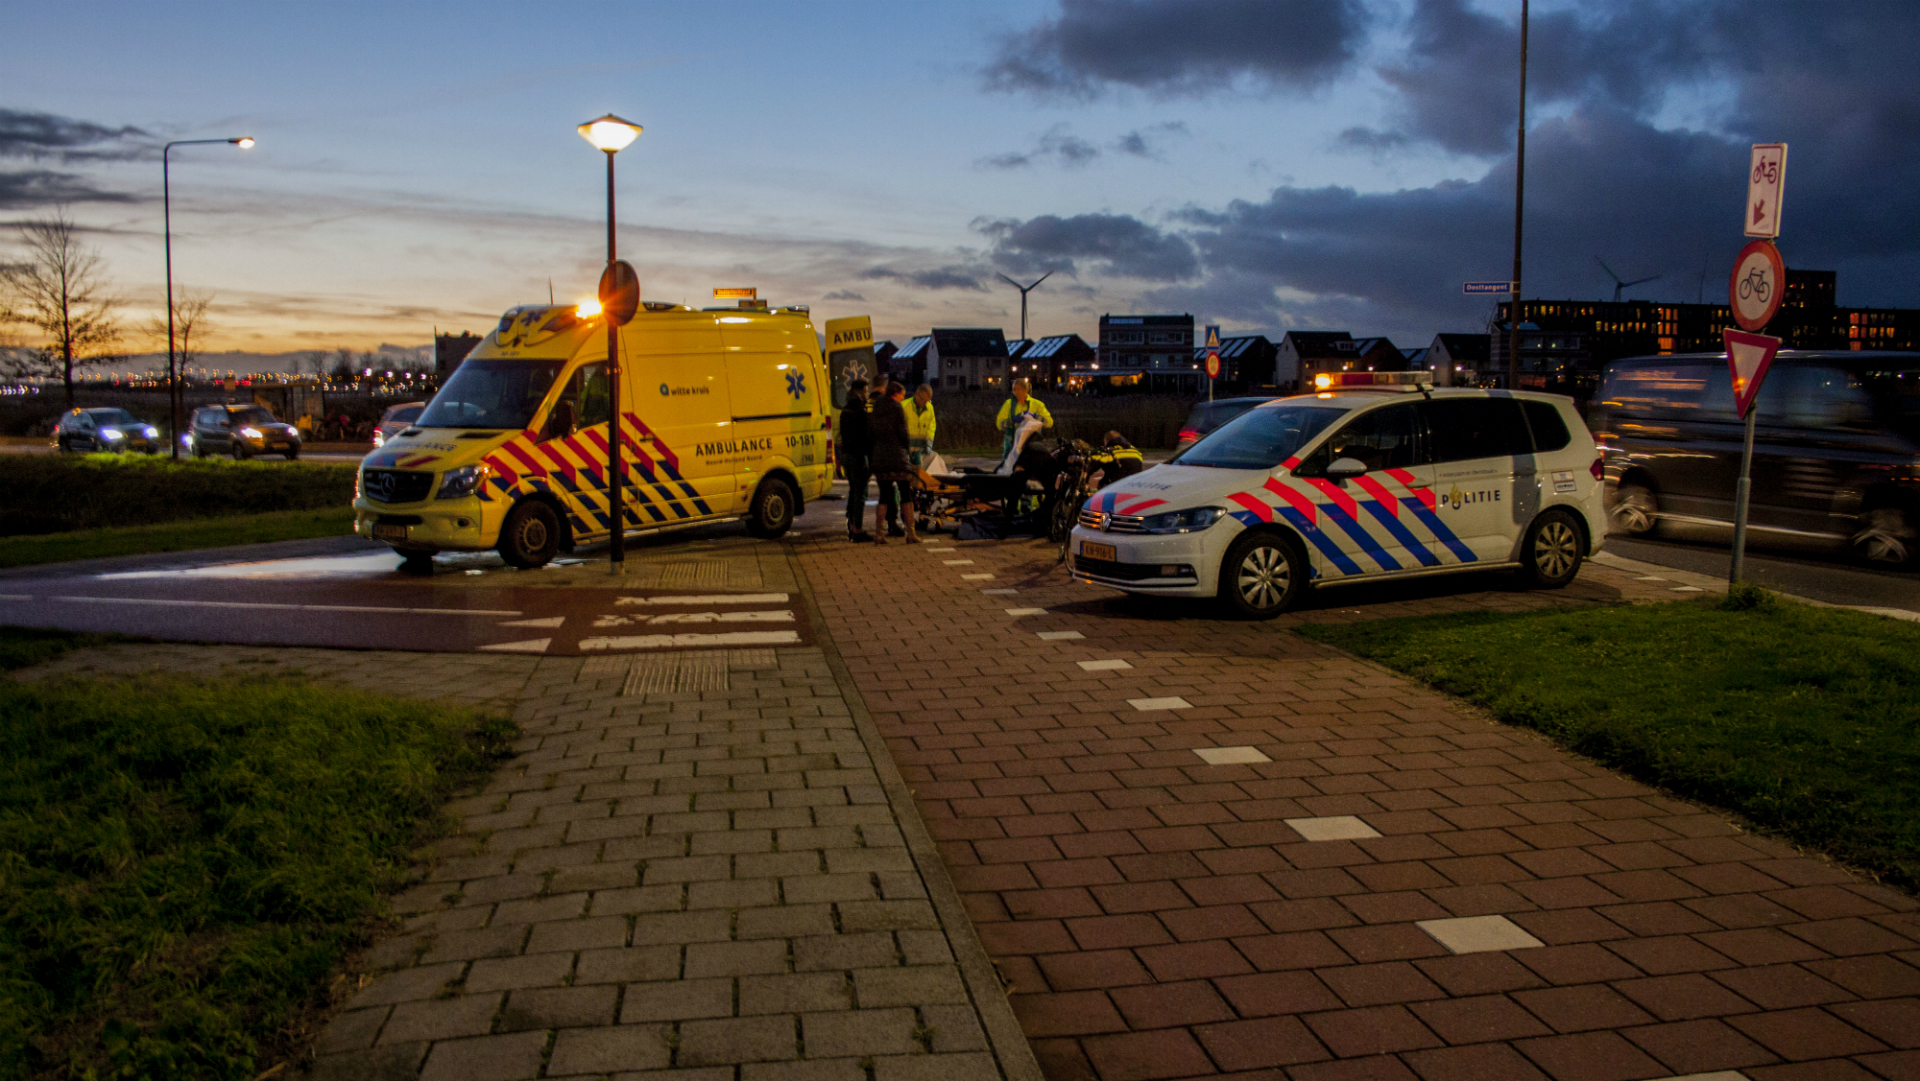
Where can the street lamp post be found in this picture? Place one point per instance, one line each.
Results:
(166, 212)
(611, 135)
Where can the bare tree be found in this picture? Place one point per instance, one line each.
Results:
(61, 292)
(191, 325)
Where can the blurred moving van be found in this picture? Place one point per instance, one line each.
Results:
(723, 415)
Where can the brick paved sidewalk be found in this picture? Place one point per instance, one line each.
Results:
(1374, 882)
(692, 869)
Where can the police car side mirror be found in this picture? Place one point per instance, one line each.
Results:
(1345, 469)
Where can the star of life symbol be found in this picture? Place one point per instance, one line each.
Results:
(796, 383)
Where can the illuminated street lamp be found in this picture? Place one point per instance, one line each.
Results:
(174, 396)
(612, 135)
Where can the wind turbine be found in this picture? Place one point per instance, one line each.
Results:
(1618, 285)
(1024, 290)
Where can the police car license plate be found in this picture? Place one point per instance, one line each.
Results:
(1098, 551)
(382, 531)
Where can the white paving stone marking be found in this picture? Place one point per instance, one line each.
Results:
(975, 577)
(1224, 756)
(1479, 934)
(956, 562)
(1103, 666)
(1026, 612)
(531, 645)
(1686, 589)
(550, 621)
(1058, 636)
(717, 598)
(1332, 828)
(999, 592)
(1649, 578)
(1159, 703)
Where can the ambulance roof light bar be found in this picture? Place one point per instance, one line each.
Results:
(1406, 381)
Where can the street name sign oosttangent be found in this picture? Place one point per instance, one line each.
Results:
(1486, 288)
(1213, 358)
(1754, 292)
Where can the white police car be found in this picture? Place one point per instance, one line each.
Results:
(1358, 483)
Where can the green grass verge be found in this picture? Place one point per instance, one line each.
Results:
(50, 493)
(1804, 720)
(184, 864)
(181, 536)
(22, 647)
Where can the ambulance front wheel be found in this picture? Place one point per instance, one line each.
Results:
(771, 512)
(530, 536)
(1262, 576)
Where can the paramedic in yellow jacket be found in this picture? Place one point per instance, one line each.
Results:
(920, 424)
(1021, 402)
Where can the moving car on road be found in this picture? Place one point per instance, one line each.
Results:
(88, 431)
(397, 419)
(1836, 448)
(1207, 416)
(722, 416)
(1363, 482)
(242, 431)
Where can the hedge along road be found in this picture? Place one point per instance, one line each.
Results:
(357, 600)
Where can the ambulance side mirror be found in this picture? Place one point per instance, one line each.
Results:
(1345, 469)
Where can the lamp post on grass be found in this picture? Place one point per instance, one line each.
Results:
(166, 214)
(612, 135)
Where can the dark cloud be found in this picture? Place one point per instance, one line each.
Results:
(1180, 47)
(45, 135)
(946, 277)
(42, 187)
(1150, 142)
(1057, 145)
(844, 294)
(1114, 244)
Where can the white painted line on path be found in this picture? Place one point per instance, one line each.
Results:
(286, 607)
(691, 641)
(15, 597)
(778, 616)
(531, 645)
(717, 598)
(550, 621)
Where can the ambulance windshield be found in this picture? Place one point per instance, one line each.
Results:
(492, 394)
(1261, 438)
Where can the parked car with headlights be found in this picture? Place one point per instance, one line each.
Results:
(1207, 416)
(241, 431)
(1389, 478)
(91, 431)
(397, 419)
(1836, 449)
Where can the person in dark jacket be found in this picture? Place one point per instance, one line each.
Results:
(856, 444)
(891, 465)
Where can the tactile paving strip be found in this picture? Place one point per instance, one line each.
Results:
(677, 673)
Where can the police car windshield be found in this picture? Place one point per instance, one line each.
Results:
(491, 394)
(1261, 438)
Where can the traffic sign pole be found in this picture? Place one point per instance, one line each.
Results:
(1740, 493)
(1749, 356)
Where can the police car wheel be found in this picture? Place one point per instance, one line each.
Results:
(530, 536)
(1635, 510)
(1262, 576)
(771, 512)
(1550, 556)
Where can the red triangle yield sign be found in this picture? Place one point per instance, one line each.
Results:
(1748, 358)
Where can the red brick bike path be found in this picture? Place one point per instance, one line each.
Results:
(1156, 917)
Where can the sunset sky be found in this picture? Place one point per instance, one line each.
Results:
(1264, 164)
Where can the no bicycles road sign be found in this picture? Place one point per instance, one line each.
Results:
(1757, 286)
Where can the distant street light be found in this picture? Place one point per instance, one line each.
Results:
(174, 396)
(612, 135)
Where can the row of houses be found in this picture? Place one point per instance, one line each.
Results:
(1161, 354)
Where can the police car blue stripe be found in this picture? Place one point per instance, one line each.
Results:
(1361, 537)
(1320, 540)
(1401, 533)
(1440, 531)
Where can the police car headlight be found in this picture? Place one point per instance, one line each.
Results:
(463, 481)
(1182, 521)
(251, 433)
(150, 433)
(111, 434)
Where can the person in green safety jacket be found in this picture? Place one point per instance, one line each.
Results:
(1022, 401)
(921, 422)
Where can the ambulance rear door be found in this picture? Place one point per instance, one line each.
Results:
(849, 354)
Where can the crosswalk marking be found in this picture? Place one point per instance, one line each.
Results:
(690, 641)
(550, 621)
(779, 616)
(531, 645)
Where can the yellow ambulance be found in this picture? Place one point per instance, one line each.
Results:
(723, 415)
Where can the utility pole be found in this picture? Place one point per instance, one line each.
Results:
(1519, 201)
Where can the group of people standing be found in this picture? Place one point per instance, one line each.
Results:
(885, 439)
